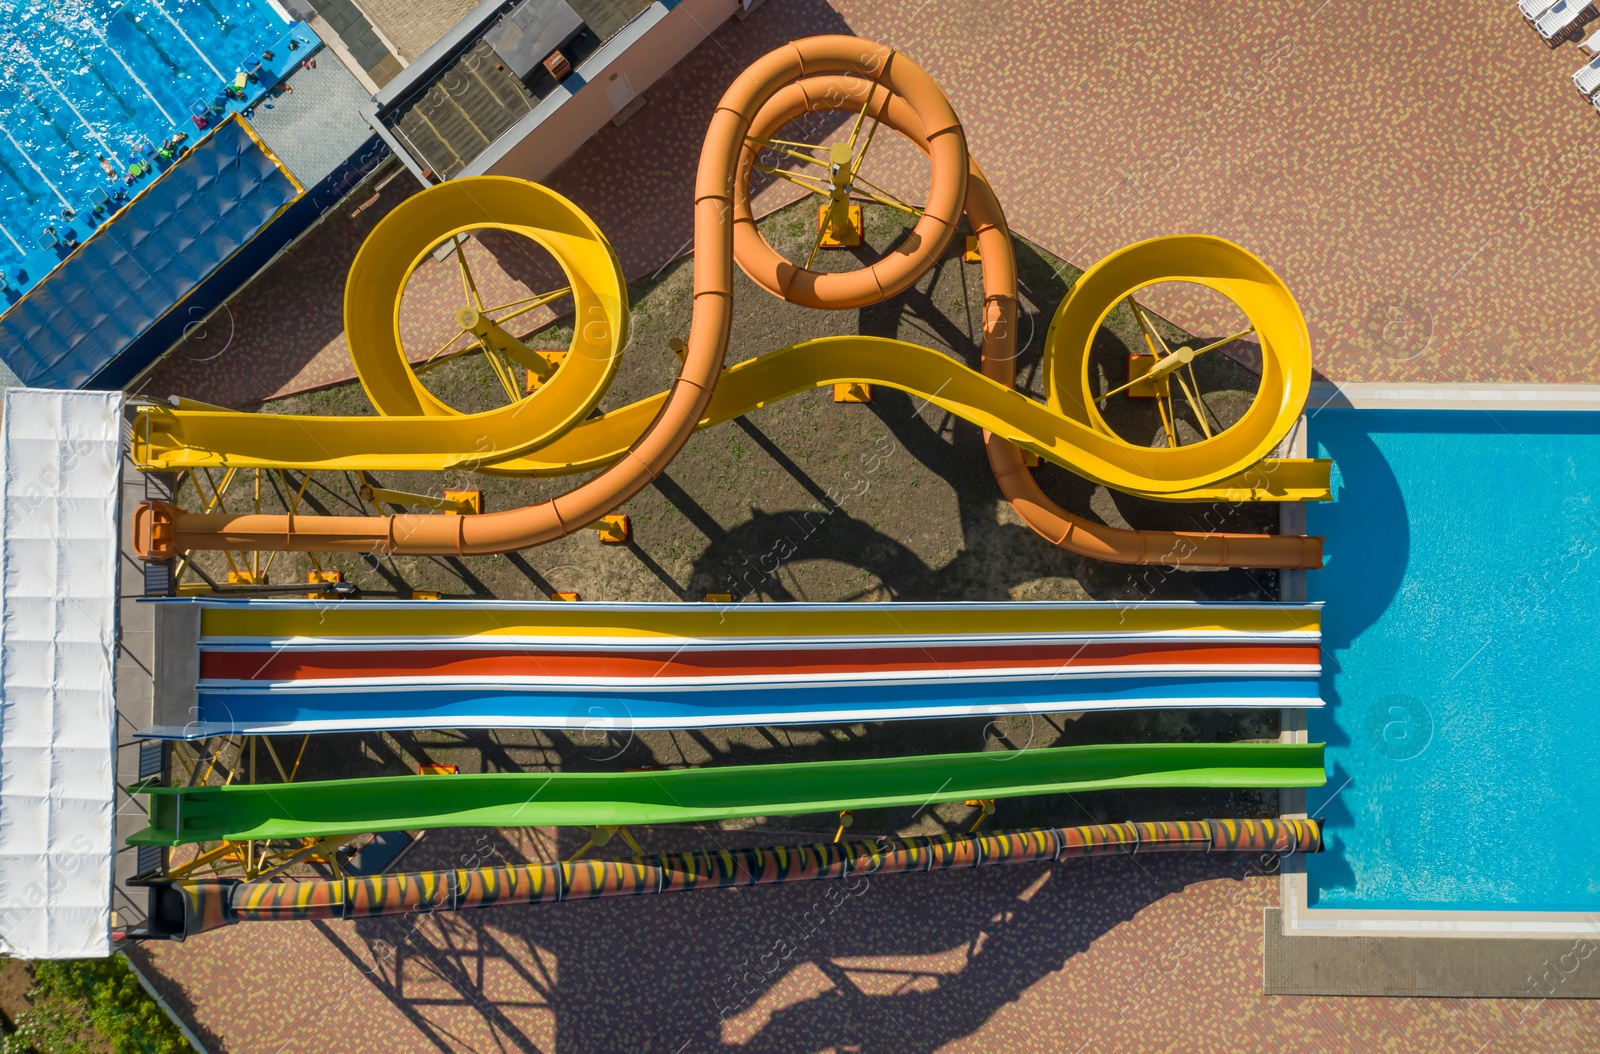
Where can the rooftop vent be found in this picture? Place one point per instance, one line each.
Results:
(531, 31)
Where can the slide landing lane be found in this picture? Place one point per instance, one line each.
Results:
(297, 708)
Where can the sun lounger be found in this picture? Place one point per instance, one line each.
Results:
(1563, 16)
(1587, 77)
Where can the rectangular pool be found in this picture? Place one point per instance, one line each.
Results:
(82, 79)
(1461, 638)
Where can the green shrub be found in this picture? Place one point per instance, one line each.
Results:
(91, 1005)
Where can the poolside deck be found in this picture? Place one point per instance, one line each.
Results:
(1117, 954)
(1422, 201)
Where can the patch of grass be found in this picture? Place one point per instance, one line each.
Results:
(90, 1006)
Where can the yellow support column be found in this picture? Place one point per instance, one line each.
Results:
(614, 530)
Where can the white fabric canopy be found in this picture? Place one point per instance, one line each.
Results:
(60, 459)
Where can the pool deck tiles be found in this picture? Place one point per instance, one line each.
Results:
(1117, 954)
(1440, 967)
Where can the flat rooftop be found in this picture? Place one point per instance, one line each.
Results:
(486, 73)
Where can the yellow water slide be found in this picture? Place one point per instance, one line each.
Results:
(551, 431)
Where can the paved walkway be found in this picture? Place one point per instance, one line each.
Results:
(410, 27)
(1160, 953)
(1420, 181)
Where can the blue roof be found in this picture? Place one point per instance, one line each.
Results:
(143, 263)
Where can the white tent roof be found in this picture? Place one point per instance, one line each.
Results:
(60, 459)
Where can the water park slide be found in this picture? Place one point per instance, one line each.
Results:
(635, 444)
(181, 909)
(181, 815)
(279, 666)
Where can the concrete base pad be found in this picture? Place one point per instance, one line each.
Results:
(1456, 967)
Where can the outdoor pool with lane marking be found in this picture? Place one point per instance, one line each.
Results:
(82, 78)
(1461, 661)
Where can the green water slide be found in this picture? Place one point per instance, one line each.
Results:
(180, 815)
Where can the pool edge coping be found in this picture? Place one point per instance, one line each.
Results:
(1367, 395)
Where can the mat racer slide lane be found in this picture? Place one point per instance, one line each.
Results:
(632, 446)
(256, 667)
(238, 812)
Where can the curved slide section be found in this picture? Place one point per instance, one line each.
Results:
(173, 440)
(180, 815)
(296, 667)
(414, 429)
(632, 446)
(161, 531)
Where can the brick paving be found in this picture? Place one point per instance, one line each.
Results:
(412, 27)
(1420, 184)
(1160, 953)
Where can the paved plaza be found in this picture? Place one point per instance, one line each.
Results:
(1155, 954)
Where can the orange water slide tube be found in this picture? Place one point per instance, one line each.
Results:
(858, 288)
(160, 528)
(813, 75)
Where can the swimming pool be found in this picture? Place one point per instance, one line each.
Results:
(1461, 661)
(82, 79)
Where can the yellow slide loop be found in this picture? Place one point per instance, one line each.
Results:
(1215, 264)
(551, 431)
(417, 431)
(406, 236)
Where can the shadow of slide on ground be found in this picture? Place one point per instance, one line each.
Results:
(771, 968)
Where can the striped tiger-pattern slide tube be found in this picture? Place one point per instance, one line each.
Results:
(209, 905)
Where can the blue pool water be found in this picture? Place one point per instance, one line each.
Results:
(82, 78)
(1461, 661)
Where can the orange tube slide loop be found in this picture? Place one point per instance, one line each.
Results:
(810, 76)
(932, 125)
(160, 527)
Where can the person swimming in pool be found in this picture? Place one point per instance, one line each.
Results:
(107, 167)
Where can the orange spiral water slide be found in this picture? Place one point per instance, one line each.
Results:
(813, 75)
(778, 276)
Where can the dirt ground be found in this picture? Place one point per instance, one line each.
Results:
(15, 979)
(888, 501)
(881, 502)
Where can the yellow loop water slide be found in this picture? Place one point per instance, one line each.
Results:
(551, 431)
